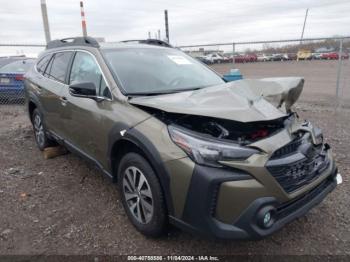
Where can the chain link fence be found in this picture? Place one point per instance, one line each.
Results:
(323, 62)
(15, 59)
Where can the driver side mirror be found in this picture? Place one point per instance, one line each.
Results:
(84, 89)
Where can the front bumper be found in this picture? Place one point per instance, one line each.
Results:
(199, 212)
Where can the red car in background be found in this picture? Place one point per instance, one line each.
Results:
(251, 58)
(245, 58)
(334, 56)
(330, 56)
(239, 58)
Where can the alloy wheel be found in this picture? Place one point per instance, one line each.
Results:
(39, 130)
(138, 195)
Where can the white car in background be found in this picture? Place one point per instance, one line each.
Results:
(215, 58)
(264, 58)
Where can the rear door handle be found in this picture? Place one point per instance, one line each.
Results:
(63, 100)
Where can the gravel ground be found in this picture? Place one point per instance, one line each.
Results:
(66, 206)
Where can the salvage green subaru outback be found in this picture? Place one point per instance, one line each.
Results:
(223, 159)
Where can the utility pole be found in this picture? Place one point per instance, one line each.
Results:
(340, 61)
(83, 21)
(233, 53)
(45, 21)
(159, 34)
(166, 26)
(302, 33)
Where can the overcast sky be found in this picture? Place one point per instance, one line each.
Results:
(190, 21)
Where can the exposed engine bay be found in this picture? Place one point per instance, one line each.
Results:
(238, 132)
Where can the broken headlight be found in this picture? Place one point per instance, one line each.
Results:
(207, 151)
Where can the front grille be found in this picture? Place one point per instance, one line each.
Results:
(299, 173)
(288, 149)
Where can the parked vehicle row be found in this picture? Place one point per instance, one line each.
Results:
(217, 58)
(308, 55)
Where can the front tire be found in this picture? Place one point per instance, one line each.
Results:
(142, 195)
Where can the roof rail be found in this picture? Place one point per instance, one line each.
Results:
(73, 41)
(149, 42)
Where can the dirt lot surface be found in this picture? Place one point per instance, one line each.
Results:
(66, 206)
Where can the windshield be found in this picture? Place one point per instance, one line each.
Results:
(158, 70)
(21, 66)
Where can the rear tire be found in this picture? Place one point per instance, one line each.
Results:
(41, 138)
(142, 195)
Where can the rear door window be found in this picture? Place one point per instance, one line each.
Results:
(42, 64)
(57, 68)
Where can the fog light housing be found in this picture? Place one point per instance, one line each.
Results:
(266, 217)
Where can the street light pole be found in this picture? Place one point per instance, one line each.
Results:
(302, 33)
(166, 26)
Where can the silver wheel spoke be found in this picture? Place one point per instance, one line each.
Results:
(127, 185)
(139, 217)
(134, 176)
(146, 192)
(133, 206)
(146, 206)
(129, 196)
(141, 182)
(131, 179)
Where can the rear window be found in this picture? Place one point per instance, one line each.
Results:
(21, 66)
(58, 65)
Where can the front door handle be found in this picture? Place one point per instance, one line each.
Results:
(63, 100)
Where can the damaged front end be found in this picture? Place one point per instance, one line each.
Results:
(253, 165)
(210, 141)
(235, 126)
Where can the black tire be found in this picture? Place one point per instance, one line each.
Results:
(41, 138)
(157, 222)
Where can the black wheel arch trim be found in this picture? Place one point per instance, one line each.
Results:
(134, 136)
(32, 98)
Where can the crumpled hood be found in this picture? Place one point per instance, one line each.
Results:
(243, 100)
